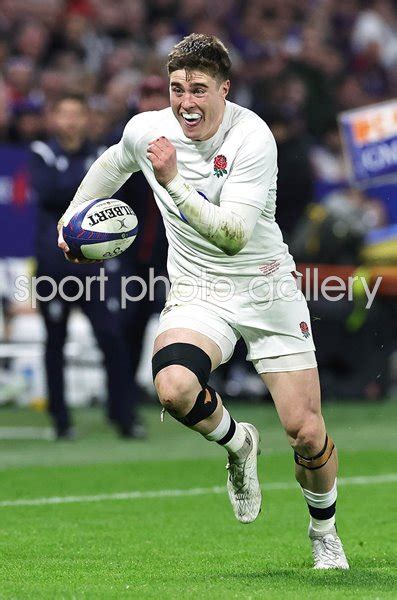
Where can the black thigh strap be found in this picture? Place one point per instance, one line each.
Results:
(187, 355)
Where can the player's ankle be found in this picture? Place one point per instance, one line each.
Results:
(322, 507)
(242, 453)
(230, 434)
(322, 525)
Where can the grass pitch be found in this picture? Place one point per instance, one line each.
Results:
(106, 518)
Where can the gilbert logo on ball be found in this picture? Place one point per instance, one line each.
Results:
(100, 229)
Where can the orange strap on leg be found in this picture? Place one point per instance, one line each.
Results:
(318, 461)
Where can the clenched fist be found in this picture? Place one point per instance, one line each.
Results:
(162, 155)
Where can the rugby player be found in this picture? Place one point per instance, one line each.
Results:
(212, 166)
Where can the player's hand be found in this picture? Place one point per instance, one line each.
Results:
(66, 250)
(61, 242)
(162, 155)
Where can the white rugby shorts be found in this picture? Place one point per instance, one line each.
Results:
(272, 317)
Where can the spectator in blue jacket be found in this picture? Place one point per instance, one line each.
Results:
(57, 167)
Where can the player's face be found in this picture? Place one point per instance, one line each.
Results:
(198, 102)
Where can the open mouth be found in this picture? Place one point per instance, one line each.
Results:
(191, 119)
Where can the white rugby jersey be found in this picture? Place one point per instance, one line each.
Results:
(239, 163)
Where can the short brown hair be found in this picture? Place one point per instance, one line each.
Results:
(201, 52)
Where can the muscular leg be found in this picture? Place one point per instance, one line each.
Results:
(296, 395)
(184, 393)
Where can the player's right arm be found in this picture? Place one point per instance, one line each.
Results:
(105, 176)
(244, 195)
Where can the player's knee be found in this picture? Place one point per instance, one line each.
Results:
(180, 372)
(307, 435)
(176, 389)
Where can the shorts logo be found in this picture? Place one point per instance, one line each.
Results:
(220, 164)
(270, 267)
(304, 329)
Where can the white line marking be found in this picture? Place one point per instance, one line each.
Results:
(281, 485)
(26, 433)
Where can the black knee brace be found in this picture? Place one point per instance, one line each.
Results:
(318, 461)
(187, 355)
(196, 360)
(205, 405)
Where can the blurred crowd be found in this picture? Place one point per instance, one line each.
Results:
(298, 60)
(297, 63)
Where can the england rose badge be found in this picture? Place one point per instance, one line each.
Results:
(220, 165)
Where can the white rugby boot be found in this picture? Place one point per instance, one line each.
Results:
(242, 482)
(327, 550)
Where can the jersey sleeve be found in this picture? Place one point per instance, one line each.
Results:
(254, 170)
(111, 170)
(126, 148)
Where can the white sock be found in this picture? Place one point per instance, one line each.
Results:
(321, 508)
(229, 434)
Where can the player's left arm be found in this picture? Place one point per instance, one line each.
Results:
(228, 226)
(105, 176)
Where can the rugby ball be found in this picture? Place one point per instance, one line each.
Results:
(99, 229)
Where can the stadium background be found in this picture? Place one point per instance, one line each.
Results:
(300, 65)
